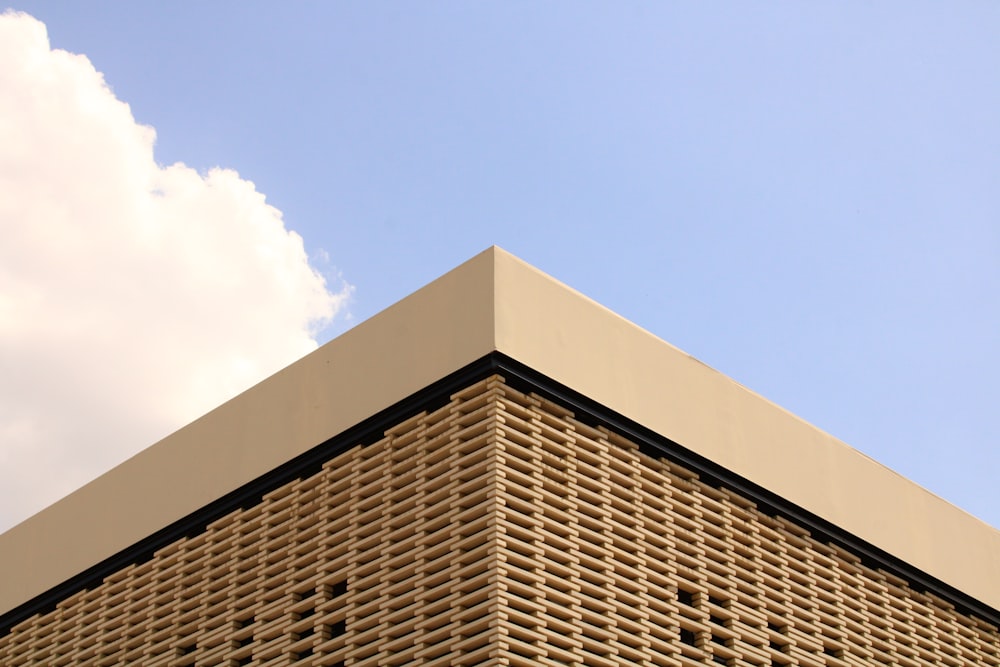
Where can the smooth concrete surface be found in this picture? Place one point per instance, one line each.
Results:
(497, 302)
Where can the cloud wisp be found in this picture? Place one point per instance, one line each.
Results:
(134, 297)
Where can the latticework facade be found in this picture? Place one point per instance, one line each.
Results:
(502, 529)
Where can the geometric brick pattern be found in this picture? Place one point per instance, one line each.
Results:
(612, 557)
(500, 530)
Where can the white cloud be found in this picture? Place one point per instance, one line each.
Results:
(133, 297)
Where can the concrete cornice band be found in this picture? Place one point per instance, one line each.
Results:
(496, 302)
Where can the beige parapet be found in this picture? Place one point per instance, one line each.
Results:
(496, 302)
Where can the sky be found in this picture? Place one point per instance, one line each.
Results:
(804, 196)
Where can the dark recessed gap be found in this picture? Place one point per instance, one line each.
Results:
(196, 529)
(308, 632)
(717, 620)
(306, 613)
(311, 469)
(718, 659)
(774, 644)
(685, 597)
(588, 418)
(304, 653)
(338, 628)
(688, 637)
(339, 588)
(721, 641)
(245, 661)
(250, 501)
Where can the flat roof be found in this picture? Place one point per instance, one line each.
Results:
(497, 303)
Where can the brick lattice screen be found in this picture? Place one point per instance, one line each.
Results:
(500, 530)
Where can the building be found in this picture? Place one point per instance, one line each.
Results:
(497, 470)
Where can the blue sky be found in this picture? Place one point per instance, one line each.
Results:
(805, 196)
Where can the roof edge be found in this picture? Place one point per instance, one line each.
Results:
(496, 302)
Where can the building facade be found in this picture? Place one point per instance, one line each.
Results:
(500, 493)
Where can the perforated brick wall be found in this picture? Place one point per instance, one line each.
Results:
(611, 557)
(501, 530)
